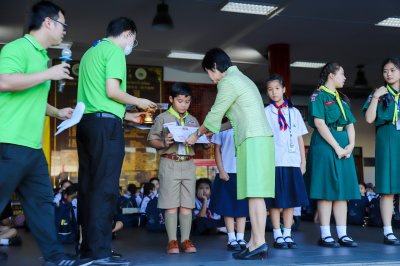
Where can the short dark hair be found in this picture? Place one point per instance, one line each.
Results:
(131, 188)
(72, 189)
(202, 181)
(180, 88)
(154, 178)
(216, 57)
(118, 25)
(40, 11)
(148, 187)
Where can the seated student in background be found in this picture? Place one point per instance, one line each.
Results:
(205, 222)
(63, 186)
(65, 219)
(149, 190)
(155, 217)
(8, 235)
(357, 210)
(156, 182)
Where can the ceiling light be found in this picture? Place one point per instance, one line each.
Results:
(307, 64)
(185, 55)
(249, 7)
(162, 20)
(389, 22)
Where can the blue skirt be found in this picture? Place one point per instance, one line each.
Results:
(224, 198)
(290, 190)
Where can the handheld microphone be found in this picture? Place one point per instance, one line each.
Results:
(65, 57)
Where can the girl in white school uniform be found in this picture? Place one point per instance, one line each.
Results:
(290, 161)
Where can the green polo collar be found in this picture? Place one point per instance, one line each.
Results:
(35, 43)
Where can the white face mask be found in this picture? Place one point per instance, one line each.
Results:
(128, 48)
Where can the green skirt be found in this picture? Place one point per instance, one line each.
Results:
(256, 168)
(328, 177)
(387, 164)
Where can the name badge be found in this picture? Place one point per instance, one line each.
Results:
(291, 146)
(398, 125)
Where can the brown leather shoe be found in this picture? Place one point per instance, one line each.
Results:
(188, 247)
(173, 247)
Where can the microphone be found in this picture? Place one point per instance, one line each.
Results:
(65, 57)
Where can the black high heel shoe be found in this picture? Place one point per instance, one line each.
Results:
(259, 253)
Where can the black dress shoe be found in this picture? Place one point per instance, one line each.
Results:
(280, 245)
(233, 246)
(290, 244)
(257, 254)
(350, 244)
(328, 244)
(242, 243)
(388, 241)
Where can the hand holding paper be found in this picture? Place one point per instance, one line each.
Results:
(75, 119)
(181, 133)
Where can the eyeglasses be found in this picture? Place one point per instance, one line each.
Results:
(63, 24)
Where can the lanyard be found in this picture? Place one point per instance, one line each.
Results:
(396, 100)
(180, 120)
(338, 100)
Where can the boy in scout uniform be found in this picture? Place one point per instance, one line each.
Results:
(177, 169)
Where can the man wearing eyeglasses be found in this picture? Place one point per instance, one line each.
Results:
(24, 88)
(100, 136)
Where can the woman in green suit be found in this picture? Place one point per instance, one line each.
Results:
(382, 109)
(331, 172)
(238, 99)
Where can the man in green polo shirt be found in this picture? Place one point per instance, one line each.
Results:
(24, 87)
(100, 136)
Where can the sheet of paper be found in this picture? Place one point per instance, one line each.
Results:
(75, 119)
(180, 133)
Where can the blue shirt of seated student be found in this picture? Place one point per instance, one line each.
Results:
(203, 193)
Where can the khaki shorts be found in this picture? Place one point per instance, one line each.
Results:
(177, 184)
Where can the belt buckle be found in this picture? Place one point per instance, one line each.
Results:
(339, 129)
(180, 158)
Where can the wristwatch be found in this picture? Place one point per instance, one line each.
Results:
(198, 134)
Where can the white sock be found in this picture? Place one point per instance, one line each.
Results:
(4, 241)
(341, 232)
(239, 236)
(388, 230)
(325, 231)
(278, 233)
(287, 232)
(231, 237)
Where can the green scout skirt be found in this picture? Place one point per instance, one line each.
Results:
(256, 168)
(387, 156)
(327, 177)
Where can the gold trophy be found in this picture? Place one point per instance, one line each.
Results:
(149, 116)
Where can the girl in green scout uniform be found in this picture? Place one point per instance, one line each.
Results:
(382, 109)
(331, 172)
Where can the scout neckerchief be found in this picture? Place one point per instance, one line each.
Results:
(180, 119)
(281, 118)
(337, 96)
(395, 96)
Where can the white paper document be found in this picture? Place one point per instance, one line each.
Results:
(75, 119)
(181, 133)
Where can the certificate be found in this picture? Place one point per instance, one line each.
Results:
(181, 133)
(75, 119)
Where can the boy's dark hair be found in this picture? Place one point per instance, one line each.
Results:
(363, 184)
(40, 11)
(148, 187)
(180, 88)
(203, 181)
(118, 25)
(216, 57)
(132, 188)
(154, 178)
(280, 79)
(72, 189)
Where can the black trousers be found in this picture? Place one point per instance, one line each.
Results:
(24, 170)
(101, 151)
